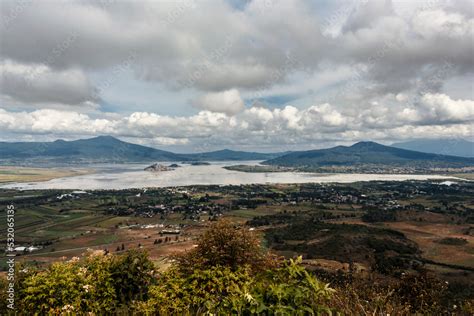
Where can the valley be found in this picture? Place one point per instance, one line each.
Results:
(369, 228)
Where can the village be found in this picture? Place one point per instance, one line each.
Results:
(175, 210)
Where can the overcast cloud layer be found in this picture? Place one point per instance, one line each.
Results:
(268, 74)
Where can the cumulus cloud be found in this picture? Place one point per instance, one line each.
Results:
(228, 102)
(440, 109)
(256, 125)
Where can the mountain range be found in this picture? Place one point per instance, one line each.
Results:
(367, 153)
(110, 149)
(452, 147)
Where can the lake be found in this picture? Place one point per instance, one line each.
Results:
(125, 176)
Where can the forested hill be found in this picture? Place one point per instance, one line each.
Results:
(452, 147)
(367, 153)
(109, 149)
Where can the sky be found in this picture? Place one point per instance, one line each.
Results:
(263, 75)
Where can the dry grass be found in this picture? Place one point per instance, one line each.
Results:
(21, 174)
(466, 176)
(427, 235)
(130, 238)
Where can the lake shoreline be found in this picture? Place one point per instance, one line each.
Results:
(133, 176)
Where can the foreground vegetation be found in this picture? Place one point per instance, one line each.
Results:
(228, 272)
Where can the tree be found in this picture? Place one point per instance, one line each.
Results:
(224, 244)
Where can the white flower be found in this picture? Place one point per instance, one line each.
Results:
(248, 297)
(68, 308)
(87, 287)
(82, 270)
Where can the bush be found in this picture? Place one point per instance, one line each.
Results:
(70, 286)
(453, 241)
(98, 284)
(214, 290)
(132, 274)
(374, 216)
(422, 292)
(289, 290)
(225, 245)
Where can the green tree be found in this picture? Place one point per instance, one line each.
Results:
(224, 244)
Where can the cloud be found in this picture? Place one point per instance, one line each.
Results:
(439, 23)
(258, 125)
(175, 45)
(348, 67)
(440, 109)
(38, 83)
(48, 121)
(228, 102)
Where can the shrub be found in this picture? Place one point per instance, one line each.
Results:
(70, 287)
(98, 284)
(374, 216)
(225, 245)
(132, 274)
(289, 290)
(361, 296)
(453, 241)
(422, 292)
(214, 290)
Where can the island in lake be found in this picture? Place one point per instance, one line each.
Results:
(199, 163)
(158, 168)
(258, 168)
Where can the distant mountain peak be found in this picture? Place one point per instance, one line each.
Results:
(107, 148)
(106, 137)
(367, 144)
(367, 153)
